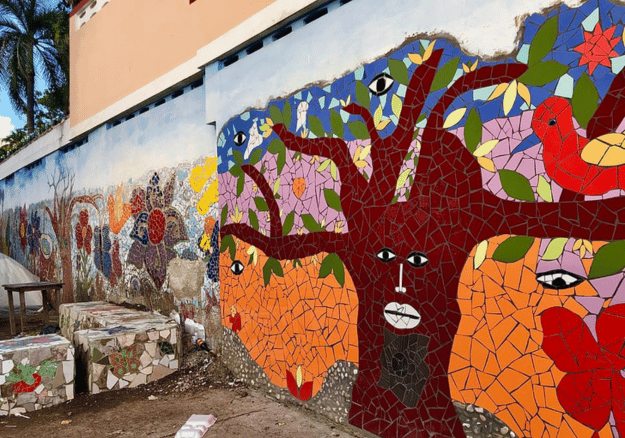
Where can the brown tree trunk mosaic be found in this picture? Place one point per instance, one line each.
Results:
(405, 258)
(60, 214)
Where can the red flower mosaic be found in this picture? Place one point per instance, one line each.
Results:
(597, 48)
(303, 391)
(84, 233)
(25, 387)
(593, 386)
(158, 227)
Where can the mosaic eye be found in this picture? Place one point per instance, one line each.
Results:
(386, 255)
(552, 122)
(558, 279)
(239, 138)
(237, 267)
(417, 259)
(381, 84)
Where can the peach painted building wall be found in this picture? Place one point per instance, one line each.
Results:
(127, 44)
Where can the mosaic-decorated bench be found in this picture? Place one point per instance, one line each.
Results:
(127, 355)
(35, 372)
(97, 314)
(118, 346)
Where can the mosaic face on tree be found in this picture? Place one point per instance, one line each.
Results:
(410, 196)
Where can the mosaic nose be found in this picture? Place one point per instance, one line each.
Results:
(400, 288)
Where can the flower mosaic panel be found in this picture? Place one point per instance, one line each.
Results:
(460, 216)
(36, 372)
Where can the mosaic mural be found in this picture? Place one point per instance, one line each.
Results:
(141, 228)
(447, 225)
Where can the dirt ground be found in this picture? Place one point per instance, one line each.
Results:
(203, 385)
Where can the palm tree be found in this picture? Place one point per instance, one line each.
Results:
(26, 49)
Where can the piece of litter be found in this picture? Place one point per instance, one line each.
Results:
(152, 397)
(280, 424)
(196, 426)
(17, 414)
(66, 421)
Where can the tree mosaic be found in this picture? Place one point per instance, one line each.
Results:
(397, 174)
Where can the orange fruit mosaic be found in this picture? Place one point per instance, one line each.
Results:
(497, 361)
(296, 321)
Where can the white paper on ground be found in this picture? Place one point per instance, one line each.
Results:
(196, 426)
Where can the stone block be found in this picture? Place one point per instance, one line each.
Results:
(36, 372)
(119, 356)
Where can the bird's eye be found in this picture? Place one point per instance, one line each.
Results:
(386, 255)
(417, 259)
(239, 138)
(559, 279)
(381, 84)
(552, 122)
(237, 267)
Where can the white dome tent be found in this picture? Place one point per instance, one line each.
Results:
(12, 272)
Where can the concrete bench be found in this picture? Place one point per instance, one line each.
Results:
(96, 314)
(127, 355)
(118, 347)
(35, 372)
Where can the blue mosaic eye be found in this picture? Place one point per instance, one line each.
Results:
(386, 255)
(417, 259)
(237, 267)
(381, 84)
(239, 138)
(559, 279)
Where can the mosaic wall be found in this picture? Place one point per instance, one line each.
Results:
(445, 225)
(37, 371)
(128, 216)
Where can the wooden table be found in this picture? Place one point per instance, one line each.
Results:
(22, 288)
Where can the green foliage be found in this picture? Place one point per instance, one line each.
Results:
(288, 223)
(555, 248)
(240, 185)
(358, 129)
(398, 71)
(609, 260)
(253, 219)
(276, 115)
(362, 95)
(254, 157)
(277, 147)
(585, 100)
(38, 47)
(238, 157)
(224, 215)
(513, 249)
(444, 75)
(332, 199)
(227, 243)
(332, 264)
(261, 204)
(311, 224)
(337, 124)
(47, 368)
(272, 266)
(543, 73)
(473, 130)
(543, 41)
(286, 114)
(316, 127)
(516, 185)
